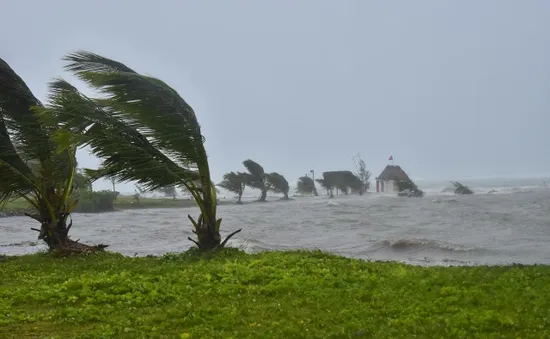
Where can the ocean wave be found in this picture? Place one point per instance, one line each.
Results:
(20, 244)
(417, 245)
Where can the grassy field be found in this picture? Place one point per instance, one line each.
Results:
(267, 295)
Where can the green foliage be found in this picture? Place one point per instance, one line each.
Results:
(169, 191)
(327, 185)
(256, 178)
(407, 188)
(82, 181)
(461, 189)
(143, 131)
(278, 184)
(267, 295)
(37, 159)
(363, 174)
(306, 186)
(94, 201)
(341, 180)
(235, 183)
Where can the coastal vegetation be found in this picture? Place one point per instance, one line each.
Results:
(256, 178)
(234, 182)
(141, 129)
(300, 294)
(407, 188)
(461, 189)
(306, 186)
(37, 162)
(278, 184)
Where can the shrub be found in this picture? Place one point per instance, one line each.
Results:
(93, 202)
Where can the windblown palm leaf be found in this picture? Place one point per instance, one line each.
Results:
(144, 131)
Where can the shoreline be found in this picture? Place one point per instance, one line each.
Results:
(273, 294)
(123, 204)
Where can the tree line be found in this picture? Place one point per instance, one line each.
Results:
(255, 177)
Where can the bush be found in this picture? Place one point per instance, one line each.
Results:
(93, 202)
(461, 189)
(407, 188)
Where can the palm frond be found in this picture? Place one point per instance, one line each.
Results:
(16, 109)
(256, 176)
(127, 154)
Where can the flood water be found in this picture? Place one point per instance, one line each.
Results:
(503, 227)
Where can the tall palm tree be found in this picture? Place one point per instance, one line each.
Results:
(144, 131)
(256, 178)
(37, 160)
(278, 184)
(235, 183)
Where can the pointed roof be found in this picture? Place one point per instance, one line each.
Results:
(393, 172)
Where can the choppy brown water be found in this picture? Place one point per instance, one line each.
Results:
(435, 230)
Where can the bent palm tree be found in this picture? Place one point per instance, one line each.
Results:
(235, 183)
(144, 131)
(32, 165)
(256, 178)
(278, 184)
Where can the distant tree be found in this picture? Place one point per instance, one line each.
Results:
(256, 178)
(407, 188)
(461, 189)
(169, 191)
(81, 181)
(278, 184)
(235, 183)
(306, 185)
(362, 173)
(327, 185)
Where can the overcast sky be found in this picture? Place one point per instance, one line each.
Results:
(451, 89)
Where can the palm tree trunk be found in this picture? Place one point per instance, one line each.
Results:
(263, 196)
(208, 238)
(56, 236)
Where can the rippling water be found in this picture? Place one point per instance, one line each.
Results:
(435, 230)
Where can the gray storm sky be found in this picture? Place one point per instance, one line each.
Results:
(451, 89)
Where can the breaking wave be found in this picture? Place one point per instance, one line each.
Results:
(416, 245)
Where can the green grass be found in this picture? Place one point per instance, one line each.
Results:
(267, 295)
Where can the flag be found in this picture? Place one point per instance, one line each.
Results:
(391, 157)
(311, 171)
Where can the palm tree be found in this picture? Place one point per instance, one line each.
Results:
(256, 178)
(37, 160)
(306, 185)
(327, 185)
(235, 183)
(145, 132)
(278, 184)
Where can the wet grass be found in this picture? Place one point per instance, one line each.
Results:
(267, 295)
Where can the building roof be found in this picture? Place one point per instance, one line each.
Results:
(393, 172)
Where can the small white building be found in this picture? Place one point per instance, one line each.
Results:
(386, 181)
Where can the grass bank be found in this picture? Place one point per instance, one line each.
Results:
(267, 295)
